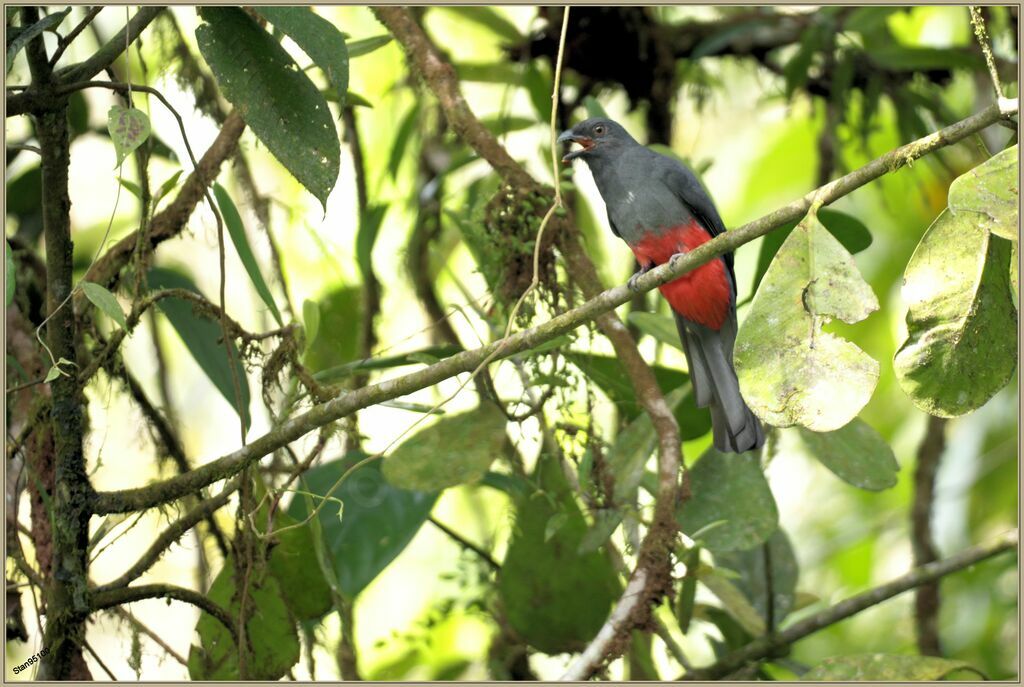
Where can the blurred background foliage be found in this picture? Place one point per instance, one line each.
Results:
(409, 260)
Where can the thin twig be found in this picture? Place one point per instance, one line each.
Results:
(65, 41)
(96, 657)
(981, 33)
(768, 645)
(122, 613)
(465, 543)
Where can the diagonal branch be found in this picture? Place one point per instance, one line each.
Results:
(221, 468)
(766, 646)
(124, 595)
(112, 49)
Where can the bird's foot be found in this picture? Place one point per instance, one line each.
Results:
(639, 273)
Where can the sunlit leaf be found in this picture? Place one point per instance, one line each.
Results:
(790, 370)
(855, 453)
(593, 107)
(380, 520)
(661, 327)
(989, 194)
(233, 222)
(270, 632)
(563, 608)
(276, 99)
(488, 17)
(166, 187)
(129, 128)
(457, 449)
(733, 600)
(885, 668)
(310, 320)
(317, 37)
(131, 187)
(961, 345)
(401, 139)
(337, 339)
(203, 338)
(367, 45)
(105, 301)
(731, 488)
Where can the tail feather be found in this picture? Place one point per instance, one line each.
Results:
(709, 353)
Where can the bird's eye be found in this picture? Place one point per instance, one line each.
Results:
(599, 129)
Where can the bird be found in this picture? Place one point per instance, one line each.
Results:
(659, 208)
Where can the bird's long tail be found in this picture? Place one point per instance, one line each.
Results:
(709, 354)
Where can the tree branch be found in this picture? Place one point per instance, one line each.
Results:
(113, 48)
(125, 595)
(221, 468)
(766, 646)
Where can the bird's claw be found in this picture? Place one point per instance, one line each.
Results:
(632, 280)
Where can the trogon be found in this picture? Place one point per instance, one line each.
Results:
(657, 206)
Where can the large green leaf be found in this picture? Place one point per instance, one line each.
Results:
(337, 336)
(750, 565)
(236, 230)
(989, 193)
(608, 374)
(276, 99)
(885, 668)
(961, 345)
(457, 449)
(317, 37)
(15, 42)
(203, 337)
(378, 521)
(270, 631)
(790, 370)
(855, 453)
(554, 597)
(729, 492)
(849, 230)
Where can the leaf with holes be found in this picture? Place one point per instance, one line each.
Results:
(886, 668)
(379, 521)
(129, 128)
(236, 230)
(276, 99)
(105, 301)
(790, 370)
(855, 453)
(317, 37)
(203, 338)
(961, 345)
(729, 489)
(270, 631)
(457, 449)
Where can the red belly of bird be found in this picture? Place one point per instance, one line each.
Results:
(701, 295)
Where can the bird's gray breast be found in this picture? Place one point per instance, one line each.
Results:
(637, 199)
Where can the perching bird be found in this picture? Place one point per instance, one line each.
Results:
(657, 206)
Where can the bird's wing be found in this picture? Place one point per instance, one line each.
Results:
(684, 184)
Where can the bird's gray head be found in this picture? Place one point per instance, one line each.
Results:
(599, 137)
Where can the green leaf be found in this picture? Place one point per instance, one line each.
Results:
(687, 590)
(749, 564)
(52, 374)
(310, 320)
(131, 187)
(849, 230)
(318, 38)
(855, 453)
(1014, 276)
(594, 108)
(489, 72)
(961, 345)
(790, 370)
(352, 99)
(733, 600)
(731, 488)
(105, 301)
(233, 222)
(608, 374)
(661, 327)
(989, 192)
(634, 446)
(487, 17)
(379, 521)
(276, 99)
(401, 139)
(367, 45)
(539, 86)
(563, 608)
(166, 187)
(9, 270)
(27, 33)
(369, 226)
(885, 668)
(129, 128)
(796, 69)
(505, 124)
(896, 58)
(202, 337)
(270, 631)
(340, 325)
(457, 449)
